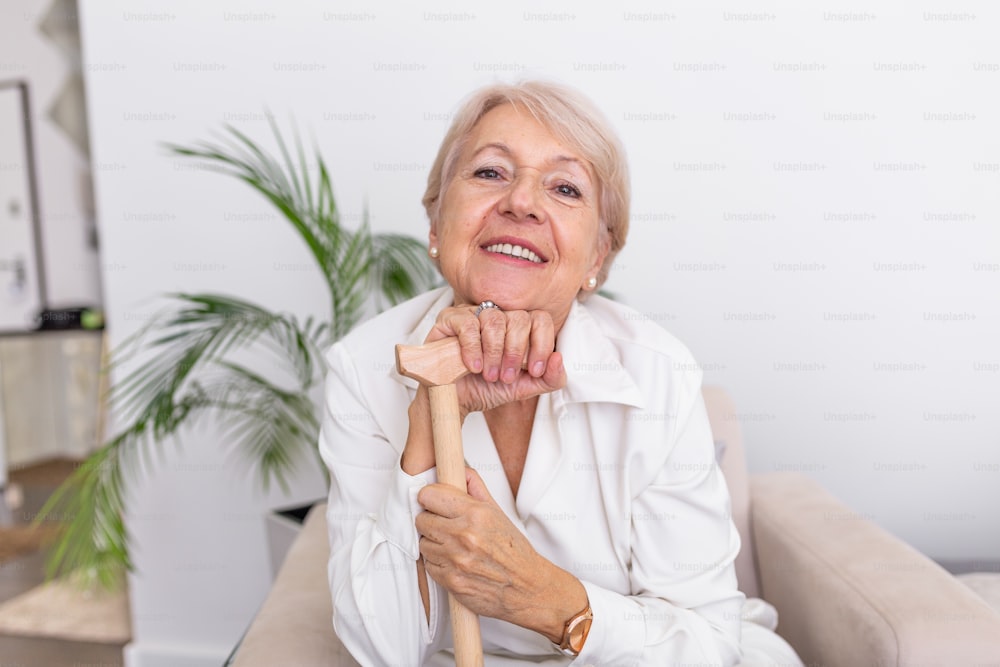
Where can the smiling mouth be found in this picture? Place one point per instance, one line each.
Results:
(514, 251)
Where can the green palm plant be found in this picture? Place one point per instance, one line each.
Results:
(187, 358)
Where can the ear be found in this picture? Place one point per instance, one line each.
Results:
(432, 236)
(602, 250)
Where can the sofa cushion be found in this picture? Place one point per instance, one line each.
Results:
(298, 610)
(729, 444)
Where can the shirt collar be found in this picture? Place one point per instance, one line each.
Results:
(594, 372)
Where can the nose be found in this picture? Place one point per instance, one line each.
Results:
(523, 199)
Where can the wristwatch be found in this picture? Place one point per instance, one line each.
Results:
(575, 632)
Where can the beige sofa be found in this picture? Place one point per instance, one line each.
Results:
(848, 593)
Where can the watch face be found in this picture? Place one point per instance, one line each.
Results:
(578, 635)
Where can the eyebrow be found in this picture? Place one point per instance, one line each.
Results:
(505, 149)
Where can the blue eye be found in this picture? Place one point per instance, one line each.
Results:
(568, 190)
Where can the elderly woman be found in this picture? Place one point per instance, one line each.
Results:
(596, 528)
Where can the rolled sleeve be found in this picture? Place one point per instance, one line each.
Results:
(618, 632)
(397, 517)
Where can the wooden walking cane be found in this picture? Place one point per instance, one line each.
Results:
(438, 366)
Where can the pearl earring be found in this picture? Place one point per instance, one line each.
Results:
(433, 252)
(591, 282)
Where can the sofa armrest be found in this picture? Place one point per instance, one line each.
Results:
(850, 594)
(294, 626)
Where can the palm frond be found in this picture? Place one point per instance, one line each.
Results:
(238, 156)
(93, 545)
(400, 268)
(352, 287)
(184, 360)
(205, 328)
(271, 428)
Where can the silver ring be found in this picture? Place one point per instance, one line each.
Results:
(486, 305)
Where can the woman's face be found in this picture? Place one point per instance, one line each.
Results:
(515, 185)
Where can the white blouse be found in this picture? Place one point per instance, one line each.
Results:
(620, 487)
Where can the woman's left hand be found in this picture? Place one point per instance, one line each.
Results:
(471, 548)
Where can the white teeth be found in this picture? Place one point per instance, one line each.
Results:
(514, 251)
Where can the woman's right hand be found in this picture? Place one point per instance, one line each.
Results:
(496, 346)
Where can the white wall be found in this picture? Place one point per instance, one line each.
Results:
(815, 214)
(63, 172)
